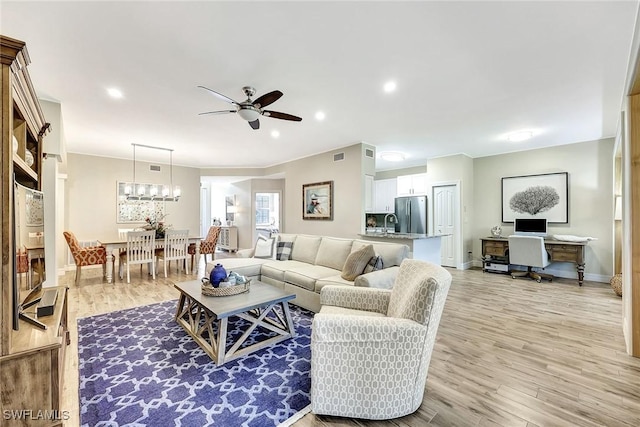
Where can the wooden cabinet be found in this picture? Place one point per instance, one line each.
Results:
(32, 373)
(412, 185)
(31, 359)
(228, 239)
(384, 195)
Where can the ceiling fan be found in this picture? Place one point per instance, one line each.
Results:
(250, 110)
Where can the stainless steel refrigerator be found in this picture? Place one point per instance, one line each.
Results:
(412, 214)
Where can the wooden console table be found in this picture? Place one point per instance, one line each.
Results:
(559, 251)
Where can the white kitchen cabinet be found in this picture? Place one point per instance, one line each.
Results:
(412, 185)
(384, 195)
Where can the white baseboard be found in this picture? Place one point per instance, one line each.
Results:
(565, 274)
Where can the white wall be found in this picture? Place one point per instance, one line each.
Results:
(92, 188)
(348, 195)
(590, 198)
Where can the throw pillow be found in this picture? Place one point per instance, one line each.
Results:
(264, 247)
(356, 262)
(284, 250)
(375, 263)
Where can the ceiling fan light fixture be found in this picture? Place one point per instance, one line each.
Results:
(249, 114)
(392, 156)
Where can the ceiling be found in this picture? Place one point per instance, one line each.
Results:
(467, 74)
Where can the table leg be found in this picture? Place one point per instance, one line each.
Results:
(580, 274)
(110, 260)
(222, 341)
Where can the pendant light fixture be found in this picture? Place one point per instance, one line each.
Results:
(161, 192)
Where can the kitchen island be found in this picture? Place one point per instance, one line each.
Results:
(425, 247)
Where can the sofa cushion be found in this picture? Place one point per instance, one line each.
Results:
(306, 276)
(357, 261)
(305, 248)
(391, 253)
(375, 263)
(333, 252)
(265, 247)
(332, 280)
(283, 251)
(275, 269)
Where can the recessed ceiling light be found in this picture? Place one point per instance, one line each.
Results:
(389, 86)
(520, 136)
(115, 93)
(320, 115)
(275, 134)
(392, 156)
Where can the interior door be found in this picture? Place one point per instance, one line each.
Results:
(444, 222)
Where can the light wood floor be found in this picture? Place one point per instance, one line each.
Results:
(509, 352)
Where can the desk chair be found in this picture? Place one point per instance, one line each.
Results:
(529, 251)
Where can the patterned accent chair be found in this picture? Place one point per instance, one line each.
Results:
(207, 246)
(90, 255)
(371, 348)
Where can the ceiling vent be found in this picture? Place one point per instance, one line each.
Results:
(154, 168)
(368, 152)
(338, 156)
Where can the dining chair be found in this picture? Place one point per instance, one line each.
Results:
(22, 266)
(88, 255)
(207, 246)
(140, 250)
(174, 249)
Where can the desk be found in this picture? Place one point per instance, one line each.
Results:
(113, 243)
(559, 251)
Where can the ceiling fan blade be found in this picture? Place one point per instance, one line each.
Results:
(267, 98)
(255, 124)
(283, 116)
(220, 96)
(218, 112)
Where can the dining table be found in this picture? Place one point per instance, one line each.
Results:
(111, 243)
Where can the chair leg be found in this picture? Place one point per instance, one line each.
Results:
(78, 270)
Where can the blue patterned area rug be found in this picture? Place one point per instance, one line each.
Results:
(138, 367)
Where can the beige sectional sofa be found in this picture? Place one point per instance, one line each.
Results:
(314, 262)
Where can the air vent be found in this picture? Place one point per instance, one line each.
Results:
(338, 156)
(154, 168)
(368, 152)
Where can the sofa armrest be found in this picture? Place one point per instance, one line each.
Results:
(367, 299)
(381, 279)
(245, 253)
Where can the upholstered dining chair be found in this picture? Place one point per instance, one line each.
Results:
(371, 348)
(174, 249)
(83, 256)
(207, 246)
(529, 251)
(22, 266)
(141, 247)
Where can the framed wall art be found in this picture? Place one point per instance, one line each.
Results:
(317, 201)
(536, 196)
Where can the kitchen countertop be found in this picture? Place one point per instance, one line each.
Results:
(406, 236)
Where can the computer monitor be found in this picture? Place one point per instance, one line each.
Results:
(531, 226)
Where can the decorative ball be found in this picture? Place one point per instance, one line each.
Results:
(496, 231)
(616, 284)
